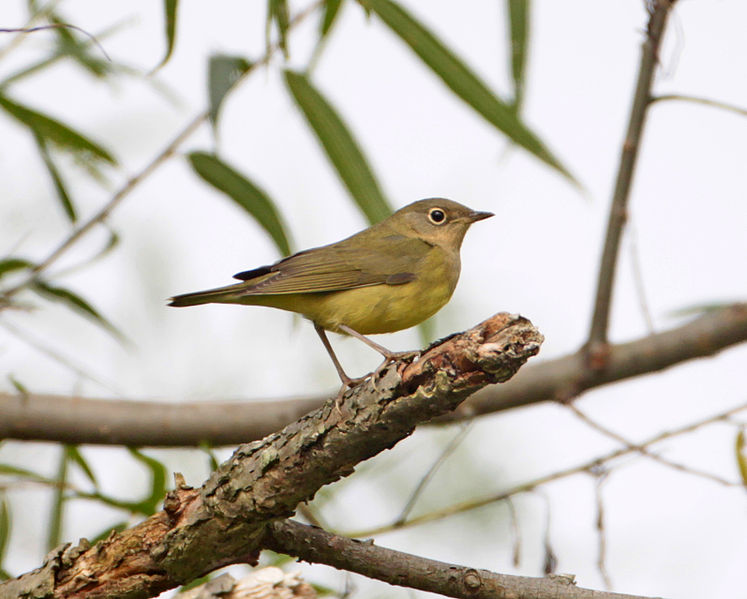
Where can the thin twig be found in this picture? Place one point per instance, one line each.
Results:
(465, 506)
(515, 533)
(44, 349)
(600, 478)
(75, 419)
(58, 26)
(645, 452)
(659, 12)
(698, 100)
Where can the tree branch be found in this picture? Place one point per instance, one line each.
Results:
(659, 12)
(223, 522)
(403, 569)
(137, 423)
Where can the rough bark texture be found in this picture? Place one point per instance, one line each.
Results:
(223, 522)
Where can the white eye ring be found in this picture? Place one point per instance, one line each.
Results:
(437, 216)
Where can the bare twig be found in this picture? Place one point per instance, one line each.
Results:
(445, 453)
(53, 354)
(601, 477)
(170, 423)
(643, 450)
(58, 26)
(532, 485)
(403, 569)
(698, 100)
(659, 13)
(515, 533)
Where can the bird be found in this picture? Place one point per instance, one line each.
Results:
(388, 277)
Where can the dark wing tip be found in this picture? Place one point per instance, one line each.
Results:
(248, 275)
(400, 278)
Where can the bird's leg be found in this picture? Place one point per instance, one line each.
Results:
(346, 380)
(389, 356)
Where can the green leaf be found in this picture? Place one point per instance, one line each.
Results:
(741, 450)
(4, 530)
(149, 504)
(12, 264)
(342, 149)
(55, 132)
(54, 533)
(9, 470)
(80, 50)
(169, 11)
(223, 72)
(208, 449)
(18, 386)
(331, 10)
(77, 303)
(329, 18)
(74, 455)
(59, 184)
(245, 193)
(518, 16)
(462, 81)
(277, 12)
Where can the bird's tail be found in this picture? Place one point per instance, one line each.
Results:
(221, 295)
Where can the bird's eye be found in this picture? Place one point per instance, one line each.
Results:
(437, 216)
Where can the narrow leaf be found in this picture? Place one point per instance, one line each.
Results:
(4, 527)
(169, 12)
(74, 455)
(12, 264)
(462, 81)
(518, 16)
(80, 50)
(245, 193)
(331, 10)
(223, 72)
(342, 149)
(741, 448)
(18, 386)
(77, 303)
(59, 184)
(57, 133)
(9, 470)
(278, 12)
(54, 533)
(158, 481)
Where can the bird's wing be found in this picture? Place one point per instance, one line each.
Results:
(339, 266)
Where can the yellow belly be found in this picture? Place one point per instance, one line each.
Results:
(375, 309)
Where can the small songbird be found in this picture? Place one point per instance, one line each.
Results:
(389, 277)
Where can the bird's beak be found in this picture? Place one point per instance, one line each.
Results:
(474, 216)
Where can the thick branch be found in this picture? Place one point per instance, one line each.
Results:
(618, 211)
(81, 420)
(403, 569)
(223, 522)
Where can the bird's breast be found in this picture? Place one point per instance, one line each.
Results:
(388, 308)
